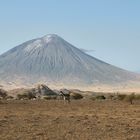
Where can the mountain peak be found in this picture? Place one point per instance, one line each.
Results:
(43, 42)
(50, 37)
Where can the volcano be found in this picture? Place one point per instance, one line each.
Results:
(51, 59)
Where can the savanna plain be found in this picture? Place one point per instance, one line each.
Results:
(83, 119)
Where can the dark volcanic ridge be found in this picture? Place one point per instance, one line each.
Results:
(53, 60)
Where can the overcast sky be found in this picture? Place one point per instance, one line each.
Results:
(109, 27)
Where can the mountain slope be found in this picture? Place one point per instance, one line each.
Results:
(51, 59)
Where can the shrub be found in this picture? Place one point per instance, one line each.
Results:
(111, 97)
(50, 97)
(137, 97)
(30, 95)
(9, 97)
(100, 97)
(21, 96)
(47, 97)
(129, 98)
(26, 95)
(76, 96)
(93, 98)
(121, 96)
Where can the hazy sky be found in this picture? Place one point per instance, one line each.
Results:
(109, 27)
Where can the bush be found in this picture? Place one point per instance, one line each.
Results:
(129, 98)
(76, 96)
(93, 98)
(100, 97)
(121, 97)
(21, 96)
(111, 97)
(9, 97)
(137, 97)
(26, 95)
(50, 97)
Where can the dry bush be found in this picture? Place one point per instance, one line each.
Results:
(137, 97)
(9, 97)
(100, 97)
(111, 97)
(93, 98)
(50, 97)
(27, 94)
(121, 96)
(76, 96)
(129, 98)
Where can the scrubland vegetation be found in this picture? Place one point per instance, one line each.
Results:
(30, 94)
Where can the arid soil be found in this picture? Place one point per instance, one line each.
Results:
(79, 120)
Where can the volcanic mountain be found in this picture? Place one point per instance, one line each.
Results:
(53, 60)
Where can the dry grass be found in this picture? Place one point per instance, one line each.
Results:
(79, 120)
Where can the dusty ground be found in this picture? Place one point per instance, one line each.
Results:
(80, 120)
